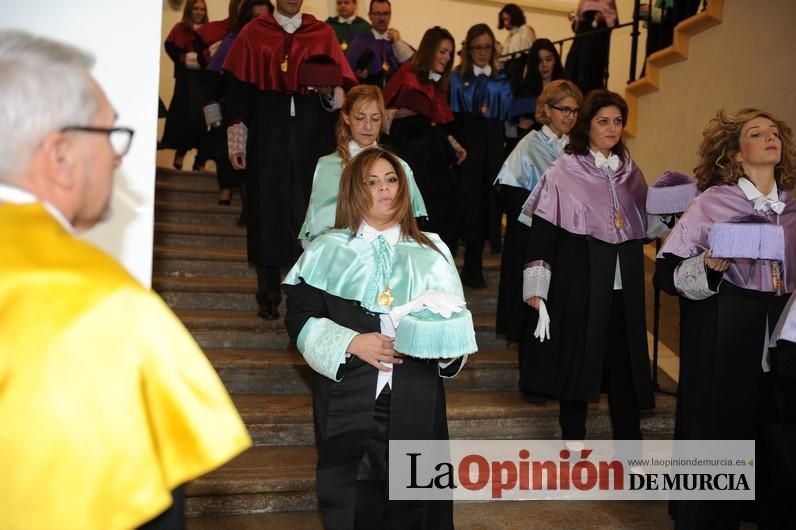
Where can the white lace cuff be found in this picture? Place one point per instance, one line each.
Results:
(691, 279)
(536, 280)
(323, 344)
(656, 226)
(236, 139)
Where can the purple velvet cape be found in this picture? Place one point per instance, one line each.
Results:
(721, 204)
(576, 196)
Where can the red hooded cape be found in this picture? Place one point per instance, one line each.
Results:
(213, 32)
(182, 37)
(406, 90)
(258, 52)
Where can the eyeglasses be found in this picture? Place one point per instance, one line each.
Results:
(482, 48)
(566, 111)
(120, 137)
(380, 14)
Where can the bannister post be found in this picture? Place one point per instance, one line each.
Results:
(634, 40)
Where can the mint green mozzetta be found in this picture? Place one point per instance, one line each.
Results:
(327, 342)
(354, 269)
(322, 206)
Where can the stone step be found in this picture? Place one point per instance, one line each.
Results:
(205, 209)
(262, 479)
(238, 294)
(199, 230)
(257, 371)
(186, 181)
(171, 239)
(274, 479)
(528, 515)
(286, 420)
(244, 329)
(169, 174)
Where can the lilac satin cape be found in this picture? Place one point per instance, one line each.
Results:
(721, 204)
(576, 196)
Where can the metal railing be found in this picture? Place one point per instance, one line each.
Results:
(634, 36)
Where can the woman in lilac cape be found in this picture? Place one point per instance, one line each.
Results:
(585, 266)
(727, 307)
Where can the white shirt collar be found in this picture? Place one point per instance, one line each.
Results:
(349, 20)
(562, 140)
(601, 161)
(354, 148)
(752, 193)
(289, 24)
(369, 234)
(764, 203)
(19, 196)
(434, 76)
(379, 36)
(486, 70)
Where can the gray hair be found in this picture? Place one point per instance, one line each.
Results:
(44, 86)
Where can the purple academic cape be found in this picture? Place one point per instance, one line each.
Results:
(721, 204)
(576, 196)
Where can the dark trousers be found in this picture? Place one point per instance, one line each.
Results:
(173, 518)
(268, 286)
(617, 382)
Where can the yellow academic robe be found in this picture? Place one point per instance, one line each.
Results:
(106, 401)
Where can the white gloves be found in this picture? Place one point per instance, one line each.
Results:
(192, 61)
(542, 330)
(444, 304)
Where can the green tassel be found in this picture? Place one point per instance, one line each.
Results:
(427, 335)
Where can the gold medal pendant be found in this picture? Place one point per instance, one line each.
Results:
(483, 109)
(775, 276)
(619, 223)
(385, 297)
(283, 65)
(385, 66)
(344, 45)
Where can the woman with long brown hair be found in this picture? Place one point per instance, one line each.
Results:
(420, 127)
(359, 126)
(729, 302)
(184, 120)
(376, 309)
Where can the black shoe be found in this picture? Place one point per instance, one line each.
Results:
(268, 312)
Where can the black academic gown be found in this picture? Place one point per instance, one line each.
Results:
(512, 311)
(424, 146)
(477, 208)
(184, 119)
(282, 152)
(722, 392)
(580, 301)
(344, 415)
(777, 426)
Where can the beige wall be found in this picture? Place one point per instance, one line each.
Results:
(747, 60)
(127, 68)
(413, 17)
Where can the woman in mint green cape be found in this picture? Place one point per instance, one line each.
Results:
(376, 309)
(360, 125)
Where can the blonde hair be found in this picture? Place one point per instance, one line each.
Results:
(721, 141)
(354, 200)
(354, 100)
(553, 93)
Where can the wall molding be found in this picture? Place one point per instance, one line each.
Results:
(675, 53)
